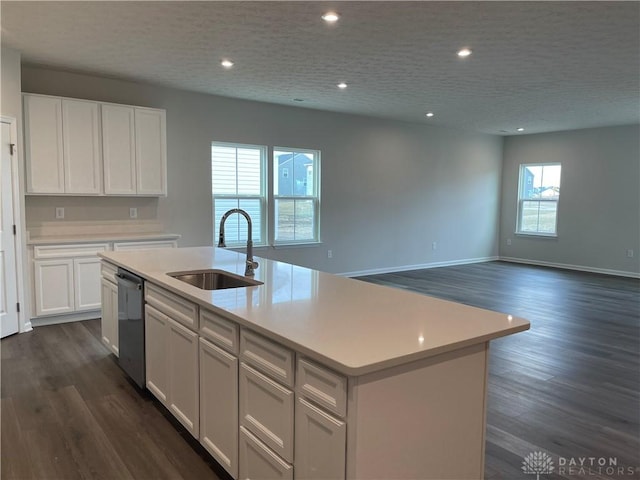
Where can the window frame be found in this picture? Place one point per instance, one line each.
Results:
(268, 198)
(317, 154)
(262, 197)
(521, 200)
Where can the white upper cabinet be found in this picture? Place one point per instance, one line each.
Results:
(43, 143)
(80, 147)
(119, 150)
(151, 151)
(134, 150)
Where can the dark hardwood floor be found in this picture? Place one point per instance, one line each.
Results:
(568, 387)
(69, 412)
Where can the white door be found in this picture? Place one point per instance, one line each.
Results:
(155, 334)
(86, 286)
(53, 286)
(184, 398)
(151, 151)
(8, 272)
(219, 405)
(81, 147)
(118, 150)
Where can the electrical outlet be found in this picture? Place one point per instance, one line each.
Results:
(434, 245)
(133, 213)
(329, 253)
(508, 241)
(59, 213)
(630, 253)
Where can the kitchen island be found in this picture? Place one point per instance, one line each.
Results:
(314, 375)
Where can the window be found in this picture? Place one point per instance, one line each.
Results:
(538, 195)
(296, 195)
(238, 181)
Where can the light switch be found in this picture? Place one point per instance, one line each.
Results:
(59, 213)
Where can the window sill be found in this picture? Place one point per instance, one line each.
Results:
(296, 245)
(537, 234)
(242, 248)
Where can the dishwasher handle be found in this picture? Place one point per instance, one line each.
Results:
(124, 281)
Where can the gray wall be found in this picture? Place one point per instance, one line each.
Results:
(599, 207)
(389, 189)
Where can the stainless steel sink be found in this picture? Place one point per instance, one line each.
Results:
(213, 279)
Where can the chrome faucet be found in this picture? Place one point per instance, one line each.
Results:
(250, 264)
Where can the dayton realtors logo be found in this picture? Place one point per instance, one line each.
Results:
(538, 463)
(541, 463)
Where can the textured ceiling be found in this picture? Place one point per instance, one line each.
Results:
(544, 66)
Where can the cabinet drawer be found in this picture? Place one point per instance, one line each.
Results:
(267, 356)
(266, 410)
(219, 330)
(258, 462)
(322, 386)
(108, 271)
(76, 250)
(172, 305)
(121, 246)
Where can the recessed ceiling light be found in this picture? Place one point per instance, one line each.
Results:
(429, 114)
(465, 52)
(330, 17)
(520, 129)
(342, 85)
(226, 63)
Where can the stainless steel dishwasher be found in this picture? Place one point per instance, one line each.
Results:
(131, 325)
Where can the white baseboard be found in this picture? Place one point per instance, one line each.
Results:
(566, 266)
(406, 268)
(75, 317)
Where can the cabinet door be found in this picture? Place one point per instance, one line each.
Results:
(81, 140)
(219, 405)
(109, 321)
(156, 359)
(86, 284)
(184, 398)
(53, 286)
(266, 410)
(43, 144)
(320, 444)
(151, 152)
(257, 462)
(118, 150)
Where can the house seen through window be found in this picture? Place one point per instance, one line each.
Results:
(283, 201)
(538, 196)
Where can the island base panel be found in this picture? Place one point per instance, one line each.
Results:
(422, 420)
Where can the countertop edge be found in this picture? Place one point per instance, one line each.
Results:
(97, 238)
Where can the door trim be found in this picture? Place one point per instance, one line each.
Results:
(24, 319)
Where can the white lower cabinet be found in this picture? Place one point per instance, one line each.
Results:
(258, 462)
(184, 397)
(109, 318)
(320, 444)
(171, 366)
(266, 410)
(86, 283)
(155, 335)
(219, 405)
(66, 278)
(53, 286)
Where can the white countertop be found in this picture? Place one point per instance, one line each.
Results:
(349, 325)
(100, 237)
